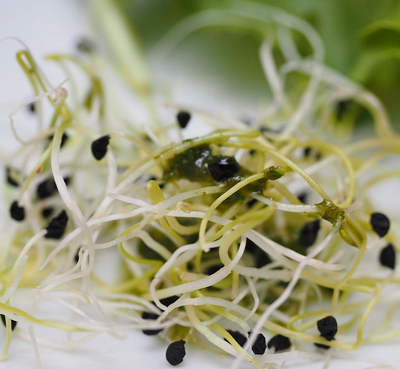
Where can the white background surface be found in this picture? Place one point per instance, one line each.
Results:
(55, 26)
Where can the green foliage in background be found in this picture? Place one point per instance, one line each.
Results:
(361, 37)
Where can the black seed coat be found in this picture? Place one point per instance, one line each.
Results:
(48, 187)
(387, 257)
(17, 212)
(341, 108)
(183, 118)
(85, 45)
(309, 233)
(47, 212)
(259, 345)
(261, 258)
(380, 223)
(150, 316)
(238, 337)
(223, 169)
(279, 342)
(151, 332)
(303, 197)
(10, 180)
(175, 352)
(32, 107)
(64, 139)
(99, 147)
(309, 150)
(251, 203)
(57, 226)
(13, 322)
(322, 346)
(328, 327)
(169, 300)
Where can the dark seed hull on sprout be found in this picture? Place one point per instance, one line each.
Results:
(31, 107)
(387, 256)
(99, 147)
(169, 300)
(279, 343)
(341, 108)
(47, 212)
(151, 332)
(150, 316)
(17, 212)
(183, 118)
(309, 233)
(176, 352)
(327, 327)
(13, 322)
(48, 187)
(57, 226)
(10, 178)
(259, 345)
(303, 197)
(260, 257)
(309, 151)
(238, 337)
(322, 346)
(223, 169)
(380, 224)
(64, 139)
(85, 45)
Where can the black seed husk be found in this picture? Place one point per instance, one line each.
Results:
(238, 337)
(169, 300)
(64, 139)
(17, 212)
(10, 180)
(57, 226)
(387, 256)
(303, 197)
(223, 169)
(76, 257)
(309, 233)
(260, 257)
(85, 45)
(150, 316)
(99, 147)
(151, 332)
(32, 107)
(307, 151)
(341, 108)
(279, 342)
(213, 269)
(47, 212)
(259, 345)
(251, 203)
(183, 118)
(13, 322)
(380, 223)
(48, 187)
(175, 352)
(328, 327)
(322, 346)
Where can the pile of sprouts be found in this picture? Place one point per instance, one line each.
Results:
(257, 240)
